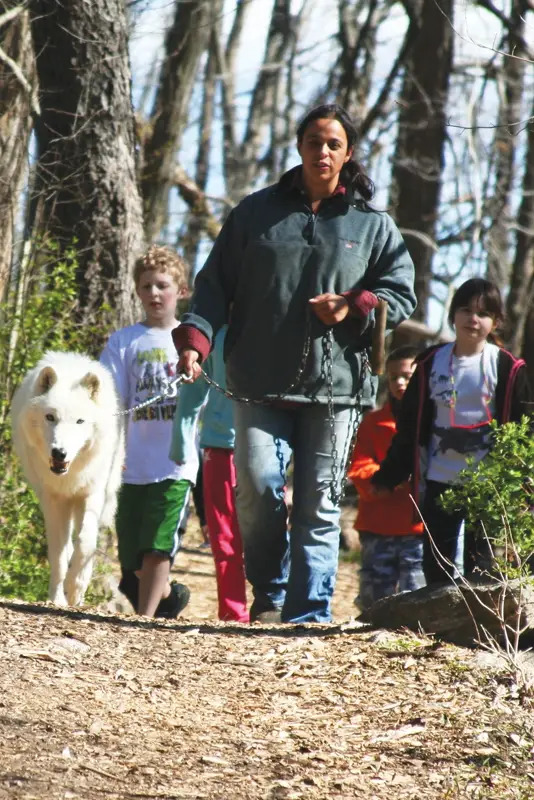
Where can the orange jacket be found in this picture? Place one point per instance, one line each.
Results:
(391, 514)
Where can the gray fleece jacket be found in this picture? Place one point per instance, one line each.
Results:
(272, 255)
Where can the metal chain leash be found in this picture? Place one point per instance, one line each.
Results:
(327, 376)
(170, 390)
(339, 466)
(336, 495)
(263, 401)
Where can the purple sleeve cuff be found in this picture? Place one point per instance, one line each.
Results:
(187, 337)
(360, 301)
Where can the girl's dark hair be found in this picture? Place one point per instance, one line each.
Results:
(486, 294)
(352, 172)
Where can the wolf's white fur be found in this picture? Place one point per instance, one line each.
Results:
(70, 441)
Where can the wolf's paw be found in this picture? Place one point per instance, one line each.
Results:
(75, 587)
(57, 597)
(75, 591)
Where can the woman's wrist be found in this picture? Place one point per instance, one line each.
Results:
(360, 301)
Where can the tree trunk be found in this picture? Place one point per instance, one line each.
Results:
(196, 218)
(519, 316)
(418, 159)
(243, 160)
(185, 43)
(85, 189)
(509, 81)
(17, 80)
(357, 58)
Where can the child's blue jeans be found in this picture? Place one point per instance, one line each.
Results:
(389, 564)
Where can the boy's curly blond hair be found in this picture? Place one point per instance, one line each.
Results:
(162, 259)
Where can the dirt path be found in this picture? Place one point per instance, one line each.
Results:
(95, 706)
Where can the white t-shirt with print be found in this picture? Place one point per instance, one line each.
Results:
(142, 360)
(473, 379)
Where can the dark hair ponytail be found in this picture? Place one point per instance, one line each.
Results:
(352, 173)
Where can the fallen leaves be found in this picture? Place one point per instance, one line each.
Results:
(179, 711)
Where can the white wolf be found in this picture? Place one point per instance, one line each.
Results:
(70, 441)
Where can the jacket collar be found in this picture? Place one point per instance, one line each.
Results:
(291, 181)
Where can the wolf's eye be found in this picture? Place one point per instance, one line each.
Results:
(50, 417)
(80, 421)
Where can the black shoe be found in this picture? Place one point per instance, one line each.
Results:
(265, 615)
(170, 606)
(129, 587)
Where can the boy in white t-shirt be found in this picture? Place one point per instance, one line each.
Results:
(155, 491)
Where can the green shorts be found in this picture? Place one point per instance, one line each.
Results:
(149, 518)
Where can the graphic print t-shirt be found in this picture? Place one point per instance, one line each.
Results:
(142, 361)
(457, 433)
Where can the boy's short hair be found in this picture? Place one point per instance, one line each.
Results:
(162, 259)
(400, 353)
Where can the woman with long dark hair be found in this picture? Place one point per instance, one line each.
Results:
(302, 265)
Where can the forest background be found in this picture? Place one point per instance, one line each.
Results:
(93, 166)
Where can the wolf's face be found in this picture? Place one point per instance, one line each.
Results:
(64, 418)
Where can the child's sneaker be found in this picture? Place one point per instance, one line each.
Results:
(170, 606)
(129, 587)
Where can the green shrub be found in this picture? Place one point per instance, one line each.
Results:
(23, 565)
(498, 493)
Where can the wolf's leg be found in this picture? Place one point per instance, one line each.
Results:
(85, 542)
(57, 513)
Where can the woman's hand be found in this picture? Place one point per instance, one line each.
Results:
(188, 365)
(330, 308)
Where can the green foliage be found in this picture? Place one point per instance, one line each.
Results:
(44, 320)
(499, 493)
(97, 592)
(23, 565)
(42, 317)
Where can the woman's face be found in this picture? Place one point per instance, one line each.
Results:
(323, 149)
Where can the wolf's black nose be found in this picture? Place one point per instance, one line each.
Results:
(58, 454)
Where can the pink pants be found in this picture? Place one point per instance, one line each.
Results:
(225, 538)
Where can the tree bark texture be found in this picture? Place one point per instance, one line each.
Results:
(196, 219)
(85, 188)
(419, 156)
(17, 80)
(243, 159)
(358, 44)
(519, 313)
(510, 84)
(186, 41)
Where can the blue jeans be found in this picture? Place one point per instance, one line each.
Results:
(292, 566)
(389, 564)
(448, 532)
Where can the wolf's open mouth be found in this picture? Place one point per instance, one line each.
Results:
(59, 467)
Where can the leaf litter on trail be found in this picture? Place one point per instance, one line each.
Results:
(199, 709)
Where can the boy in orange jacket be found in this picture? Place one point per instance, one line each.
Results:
(391, 542)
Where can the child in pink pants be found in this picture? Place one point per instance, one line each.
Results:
(216, 439)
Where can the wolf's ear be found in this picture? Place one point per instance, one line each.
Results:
(46, 379)
(91, 382)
